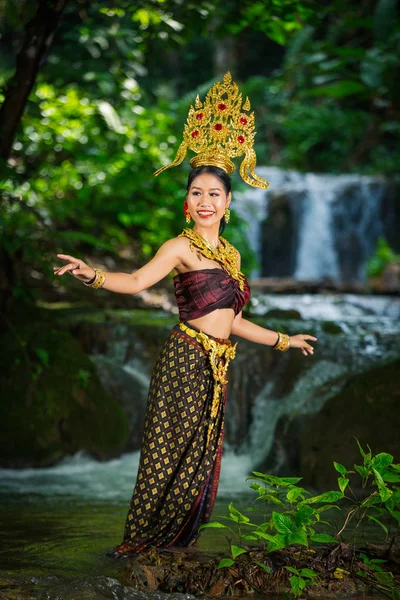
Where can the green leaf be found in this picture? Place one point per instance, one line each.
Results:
(277, 543)
(340, 468)
(225, 562)
(292, 570)
(43, 356)
(283, 523)
(297, 584)
(237, 550)
(323, 538)
(274, 480)
(381, 461)
(213, 525)
(265, 567)
(237, 516)
(343, 482)
(385, 529)
(303, 515)
(272, 499)
(390, 477)
(298, 537)
(332, 496)
(363, 471)
(396, 515)
(384, 491)
(308, 573)
(294, 493)
(263, 535)
(249, 538)
(322, 509)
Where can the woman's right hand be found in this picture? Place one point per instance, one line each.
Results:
(75, 267)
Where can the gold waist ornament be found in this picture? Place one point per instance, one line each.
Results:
(220, 355)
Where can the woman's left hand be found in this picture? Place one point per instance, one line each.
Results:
(300, 341)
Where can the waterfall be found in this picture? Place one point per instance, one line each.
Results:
(313, 226)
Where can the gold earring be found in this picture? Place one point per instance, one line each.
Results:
(188, 216)
(227, 215)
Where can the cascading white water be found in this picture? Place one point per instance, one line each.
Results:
(316, 255)
(336, 221)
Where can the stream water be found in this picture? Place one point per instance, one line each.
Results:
(57, 523)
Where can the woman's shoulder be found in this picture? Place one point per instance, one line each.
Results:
(177, 244)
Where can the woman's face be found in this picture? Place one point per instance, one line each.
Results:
(207, 199)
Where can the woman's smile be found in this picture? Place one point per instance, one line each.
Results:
(205, 213)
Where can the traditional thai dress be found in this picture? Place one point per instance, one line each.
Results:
(183, 435)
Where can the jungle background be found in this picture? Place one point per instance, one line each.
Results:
(94, 97)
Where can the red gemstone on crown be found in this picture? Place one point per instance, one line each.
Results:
(243, 120)
(240, 139)
(195, 133)
(217, 126)
(222, 106)
(199, 116)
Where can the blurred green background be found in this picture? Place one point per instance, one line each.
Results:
(111, 94)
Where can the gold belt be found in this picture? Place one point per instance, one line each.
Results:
(220, 355)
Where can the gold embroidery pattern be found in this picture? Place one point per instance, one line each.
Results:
(180, 454)
(226, 254)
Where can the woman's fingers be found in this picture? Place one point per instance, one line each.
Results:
(66, 268)
(68, 257)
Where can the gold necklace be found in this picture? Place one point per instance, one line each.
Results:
(226, 254)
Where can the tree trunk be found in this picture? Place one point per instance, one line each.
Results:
(225, 58)
(39, 33)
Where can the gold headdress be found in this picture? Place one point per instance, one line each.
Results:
(220, 129)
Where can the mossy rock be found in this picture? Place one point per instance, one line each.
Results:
(53, 403)
(280, 313)
(331, 327)
(366, 409)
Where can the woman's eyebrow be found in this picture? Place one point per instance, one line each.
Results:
(195, 187)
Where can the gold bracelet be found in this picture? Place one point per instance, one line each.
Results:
(283, 342)
(99, 279)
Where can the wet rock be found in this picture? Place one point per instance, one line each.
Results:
(366, 409)
(52, 401)
(276, 313)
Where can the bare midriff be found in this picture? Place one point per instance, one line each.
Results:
(217, 323)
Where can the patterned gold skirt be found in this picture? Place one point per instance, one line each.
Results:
(182, 442)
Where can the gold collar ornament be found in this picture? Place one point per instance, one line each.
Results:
(218, 130)
(225, 254)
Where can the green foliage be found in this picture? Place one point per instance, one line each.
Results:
(380, 501)
(301, 579)
(297, 517)
(112, 96)
(374, 575)
(383, 256)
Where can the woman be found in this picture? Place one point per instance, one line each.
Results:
(182, 442)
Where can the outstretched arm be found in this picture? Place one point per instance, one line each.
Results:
(164, 261)
(260, 335)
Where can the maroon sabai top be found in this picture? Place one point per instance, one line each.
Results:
(200, 292)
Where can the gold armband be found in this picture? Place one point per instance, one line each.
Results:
(283, 342)
(98, 280)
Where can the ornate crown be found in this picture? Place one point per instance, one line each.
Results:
(220, 129)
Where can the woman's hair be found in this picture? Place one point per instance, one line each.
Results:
(222, 176)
